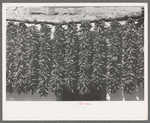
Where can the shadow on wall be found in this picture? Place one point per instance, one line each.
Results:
(128, 97)
(51, 97)
(29, 97)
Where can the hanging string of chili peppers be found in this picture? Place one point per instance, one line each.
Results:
(140, 53)
(114, 56)
(45, 60)
(99, 60)
(11, 34)
(71, 57)
(85, 50)
(19, 63)
(129, 77)
(31, 50)
(58, 67)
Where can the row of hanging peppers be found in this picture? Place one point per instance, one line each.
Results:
(75, 59)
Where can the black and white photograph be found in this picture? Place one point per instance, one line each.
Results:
(76, 54)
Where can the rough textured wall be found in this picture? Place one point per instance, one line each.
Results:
(66, 14)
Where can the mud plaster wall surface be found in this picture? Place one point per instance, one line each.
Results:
(68, 14)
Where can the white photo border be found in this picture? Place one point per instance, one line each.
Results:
(52, 110)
